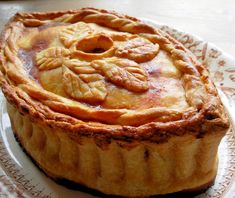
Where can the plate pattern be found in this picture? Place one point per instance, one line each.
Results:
(16, 183)
(7, 187)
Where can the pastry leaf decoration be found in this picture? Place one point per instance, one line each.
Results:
(138, 49)
(124, 73)
(86, 81)
(80, 67)
(89, 87)
(52, 58)
(74, 33)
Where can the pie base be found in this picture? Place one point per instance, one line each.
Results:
(136, 169)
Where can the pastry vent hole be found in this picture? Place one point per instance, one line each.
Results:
(97, 50)
(96, 44)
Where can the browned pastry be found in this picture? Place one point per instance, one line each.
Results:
(106, 101)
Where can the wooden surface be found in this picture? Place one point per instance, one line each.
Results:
(213, 20)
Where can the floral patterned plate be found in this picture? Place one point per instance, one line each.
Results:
(21, 178)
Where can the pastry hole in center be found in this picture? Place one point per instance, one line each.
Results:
(95, 45)
(97, 50)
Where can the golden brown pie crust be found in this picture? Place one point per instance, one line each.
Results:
(118, 151)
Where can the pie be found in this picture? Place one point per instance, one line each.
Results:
(106, 101)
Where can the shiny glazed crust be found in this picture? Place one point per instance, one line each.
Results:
(205, 107)
(172, 150)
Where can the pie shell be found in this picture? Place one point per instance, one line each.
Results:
(125, 156)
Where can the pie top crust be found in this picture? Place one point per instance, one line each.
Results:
(93, 71)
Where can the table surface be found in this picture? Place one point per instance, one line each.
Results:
(213, 20)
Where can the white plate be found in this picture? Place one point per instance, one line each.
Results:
(25, 179)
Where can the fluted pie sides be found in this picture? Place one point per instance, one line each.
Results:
(182, 163)
(109, 102)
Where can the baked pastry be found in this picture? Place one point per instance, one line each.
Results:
(106, 101)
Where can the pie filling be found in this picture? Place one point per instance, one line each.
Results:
(101, 67)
